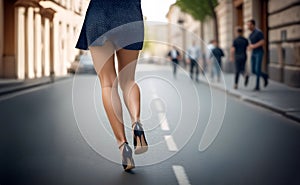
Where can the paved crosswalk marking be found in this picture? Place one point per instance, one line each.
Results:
(171, 143)
(181, 176)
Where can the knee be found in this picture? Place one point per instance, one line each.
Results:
(107, 80)
(126, 84)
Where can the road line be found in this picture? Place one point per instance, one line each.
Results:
(181, 176)
(158, 105)
(170, 143)
(163, 122)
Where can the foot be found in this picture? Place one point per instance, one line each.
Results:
(235, 86)
(126, 153)
(246, 80)
(139, 138)
(266, 81)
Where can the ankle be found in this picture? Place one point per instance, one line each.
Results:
(121, 143)
(135, 121)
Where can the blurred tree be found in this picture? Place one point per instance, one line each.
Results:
(200, 10)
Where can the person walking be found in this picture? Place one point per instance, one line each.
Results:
(110, 28)
(174, 56)
(216, 56)
(257, 41)
(239, 56)
(193, 56)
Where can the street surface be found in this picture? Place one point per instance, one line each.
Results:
(58, 134)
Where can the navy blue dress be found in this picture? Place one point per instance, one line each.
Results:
(116, 21)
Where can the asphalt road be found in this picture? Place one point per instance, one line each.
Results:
(58, 134)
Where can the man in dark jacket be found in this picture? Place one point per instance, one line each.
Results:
(174, 56)
(216, 56)
(257, 41)
(239, 56)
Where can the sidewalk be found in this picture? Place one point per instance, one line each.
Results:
(12, 85)
(276, 96)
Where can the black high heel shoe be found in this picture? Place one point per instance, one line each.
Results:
(139, 139)
(127, 160)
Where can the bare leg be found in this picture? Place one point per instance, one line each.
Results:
(103, 58)
(127, 60)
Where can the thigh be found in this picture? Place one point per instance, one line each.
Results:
(217, 65)
(240, 62)
(253, 63)
(192, 63)
(237, 65)
(259, 60)
(243, 65)
(127, 60)
(103, 59)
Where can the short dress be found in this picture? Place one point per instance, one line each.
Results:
(117, 21)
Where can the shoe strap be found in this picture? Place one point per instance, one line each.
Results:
(123, 144)
(137, 122)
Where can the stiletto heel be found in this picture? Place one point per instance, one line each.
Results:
(139, 138)
(127, 160)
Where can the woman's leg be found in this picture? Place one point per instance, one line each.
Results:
(127, 60)
(103, 58)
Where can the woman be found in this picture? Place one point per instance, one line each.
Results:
(115, 27)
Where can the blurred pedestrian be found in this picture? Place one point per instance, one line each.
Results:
(204, 64)
(174, 56)
(216, 56)
(257, 41)
(193, 56)
(238, 55)
(208, 60)
(209, 49)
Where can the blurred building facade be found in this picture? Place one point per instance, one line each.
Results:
(278, 20)
(156, 37)
(184, 29)
(37, 38)
(284, 41)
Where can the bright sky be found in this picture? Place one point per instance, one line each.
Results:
(156, 10)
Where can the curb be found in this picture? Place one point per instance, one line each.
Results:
(255, 101)
(20, 87)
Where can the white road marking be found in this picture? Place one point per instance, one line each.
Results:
(163, 121)
(170, 143)
(181, 176)
(158, 105)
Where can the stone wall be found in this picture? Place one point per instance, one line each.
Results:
(37, 37)
(1, 36)
(226, 31)
(284, 37)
